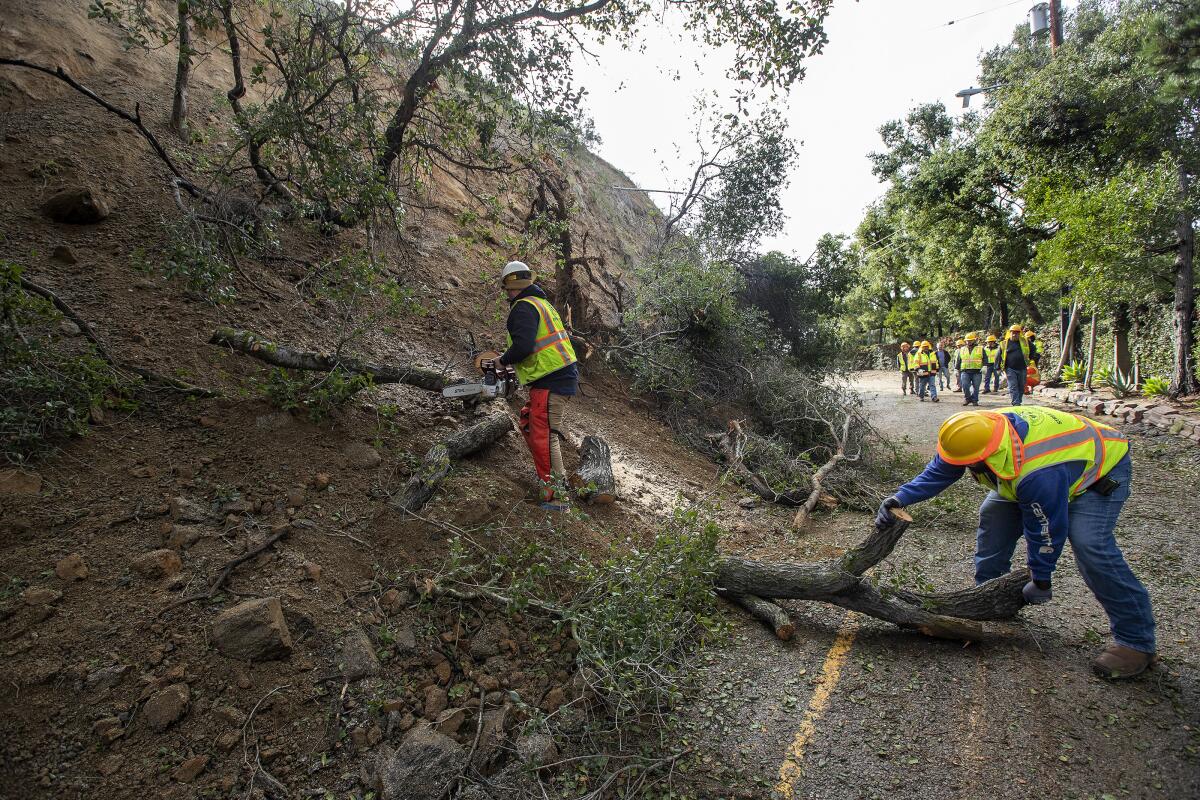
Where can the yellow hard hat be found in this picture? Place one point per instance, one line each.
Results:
(992, 338)
(1015, 329)
(970, 436)
(1030, 334)
(926, 343)
(960, 342)
(972, 337)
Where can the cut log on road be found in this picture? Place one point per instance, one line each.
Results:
(436, 464)
(594, 481)
(950, 615)
(281, 355)
(765, 612)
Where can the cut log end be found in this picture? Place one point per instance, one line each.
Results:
(594, 481)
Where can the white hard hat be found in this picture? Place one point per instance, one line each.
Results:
(512, 268)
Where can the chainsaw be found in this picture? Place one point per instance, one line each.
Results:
(499, 380)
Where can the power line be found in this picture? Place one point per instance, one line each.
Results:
(976, 14)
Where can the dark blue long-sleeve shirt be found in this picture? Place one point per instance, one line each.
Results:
(522, 327)
(1043, 499)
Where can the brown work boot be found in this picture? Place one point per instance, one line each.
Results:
(1118, 661)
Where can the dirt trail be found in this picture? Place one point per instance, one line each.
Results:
(1018, 716)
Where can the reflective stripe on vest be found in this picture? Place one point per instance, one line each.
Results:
(552, 348)
(909, 357)
(1097, 446)
(970, 358)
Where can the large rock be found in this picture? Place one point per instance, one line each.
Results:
(77, 205)
(157, 564)
(358, 656)
(165, 707)
(71, 568)
(362, 456)
(420, 768)
(253, 631)
(493, 741)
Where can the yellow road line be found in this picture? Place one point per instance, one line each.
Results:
(831, 672)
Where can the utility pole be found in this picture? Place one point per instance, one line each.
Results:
(1056, 29)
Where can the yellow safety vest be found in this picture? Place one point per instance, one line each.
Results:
(907, 361)
(1054, 437)
(991, 355)
(1021, 340)
(552, 348)
(970, 358)
(927, 361)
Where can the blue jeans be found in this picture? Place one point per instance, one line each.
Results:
(970, 380)
(991, 378)
(943, 377)
(927, 383)
(1091, 518)
(1016, 384)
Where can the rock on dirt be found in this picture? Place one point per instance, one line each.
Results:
(450, 720)
(493, 740)
(106, 677)
(157, 564)
(78, 205)
(189, 770)
(253, 631)
(41, 596)
(65, 255)
(486, 641)
(419, 768)
(166, 707)
(358, 656)
(362, 456)
(436, 701)
(183, 509)
(537, 750)
(71, 568)
(181, 537)
(15, 481)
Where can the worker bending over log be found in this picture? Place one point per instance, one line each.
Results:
(1053, 476)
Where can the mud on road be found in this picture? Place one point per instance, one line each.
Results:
(855, 708)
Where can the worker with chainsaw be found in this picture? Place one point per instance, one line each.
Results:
(992, 366)
(1052, 476)
(539, 348)
(908, 368)
(927, 368)
(1014, 355)
(969, 363)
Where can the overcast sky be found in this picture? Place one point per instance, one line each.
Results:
(883, 57)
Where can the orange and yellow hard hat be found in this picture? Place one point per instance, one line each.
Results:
(970, 436)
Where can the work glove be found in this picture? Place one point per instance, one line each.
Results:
(885, 511)
(1037, 592)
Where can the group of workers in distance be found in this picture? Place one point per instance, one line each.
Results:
(973, 364)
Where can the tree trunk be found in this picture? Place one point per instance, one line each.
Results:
(1122, 360)
(280, 355)
(765, 612)
(1003, 314)
(1183, 379)
(1068, 341)
(1091, 356)
(436, 464)
(594, 480)
(841, 583)
(1035, 316)
(183, 70)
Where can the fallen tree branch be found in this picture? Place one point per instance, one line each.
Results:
(951, 615)
(281, 355)
(838, 457)
(134, 119)
(765, 612)
(227, 570)
(84, 328)
(733, 448)
(436, 464)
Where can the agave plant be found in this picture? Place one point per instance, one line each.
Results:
(1073, 372)
(1155, 387)
(1103, 376)
(1120, 383)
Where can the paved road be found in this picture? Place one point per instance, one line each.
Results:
(853, 708)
